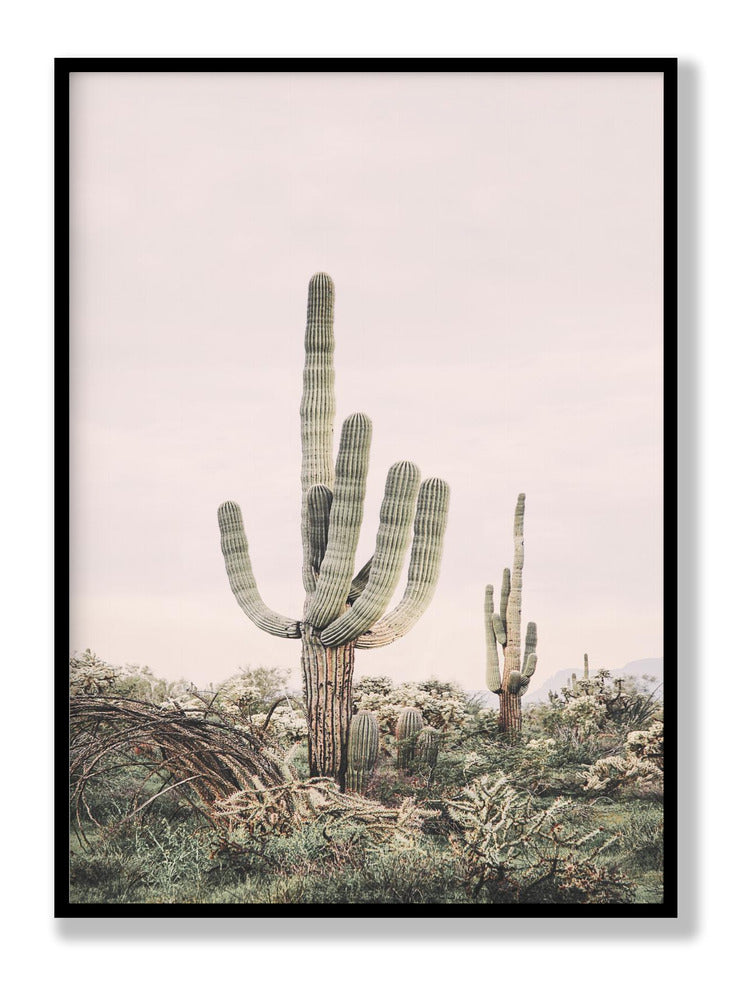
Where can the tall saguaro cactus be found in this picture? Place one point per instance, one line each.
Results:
(343, 609)
(503, 627)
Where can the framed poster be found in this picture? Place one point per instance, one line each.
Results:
(366, 392)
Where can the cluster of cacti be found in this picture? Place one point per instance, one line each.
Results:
(363, 748)
(409, 723)
(503, 627)
(343, 608)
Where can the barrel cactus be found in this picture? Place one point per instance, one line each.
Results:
(363, 748)
(427, 745)
(343, 609)
(409, 724)
(503, 627)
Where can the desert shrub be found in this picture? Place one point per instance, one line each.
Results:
(445, 706)
(643, 836)
(253, 689)
(625, 704)
(516, 851)
(88, 674)
(91, 675)
(425, 874)
(638, 771)
(541, 766)
(156, 861)
(285, 724)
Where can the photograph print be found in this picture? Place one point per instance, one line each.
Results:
(365, 371)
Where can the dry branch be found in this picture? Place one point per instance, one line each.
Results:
(178, 747)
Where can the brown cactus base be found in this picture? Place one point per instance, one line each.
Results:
(511, 713)
(327, 676)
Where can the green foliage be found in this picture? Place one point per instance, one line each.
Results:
(570, 815)
(444, 705)
(254, 689)
(516, 851)
(637, 771)
(628, 702)
(91, 675)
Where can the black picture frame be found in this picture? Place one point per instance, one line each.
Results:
(63, 69)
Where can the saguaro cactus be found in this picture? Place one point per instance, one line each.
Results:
(409, 723)
(363, 748)
(586, 667)
(504, 628)
(343, 609)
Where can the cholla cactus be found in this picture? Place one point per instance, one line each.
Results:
(504, 628)
(409, 725)
(88, 674)
(343, 609)
(363, 748)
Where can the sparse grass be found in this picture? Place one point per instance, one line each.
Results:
(170, 852)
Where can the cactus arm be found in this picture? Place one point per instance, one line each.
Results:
(319, 501)
(494, 681)
(344, 525)
(515, 682)
(512, 624)
(235, 551)
(318, 407)
(530, 665)
(395, 518)
(531, 641)
(360, 581)
(499, 627)
(504, 597)
(425, 563)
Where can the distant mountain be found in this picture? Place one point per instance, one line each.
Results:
(652, 667)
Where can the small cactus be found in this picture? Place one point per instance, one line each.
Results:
(426, 746)
(363, 748)
(409, 724)
(586, 667)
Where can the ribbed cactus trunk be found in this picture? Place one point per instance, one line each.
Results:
(343, 609)
(327, 677)
(511, 712)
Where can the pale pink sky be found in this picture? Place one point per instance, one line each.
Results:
(495, 241)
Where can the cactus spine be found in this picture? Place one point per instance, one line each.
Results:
(343, 609)
(363, 748)
(409, 724)
(503, 627)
